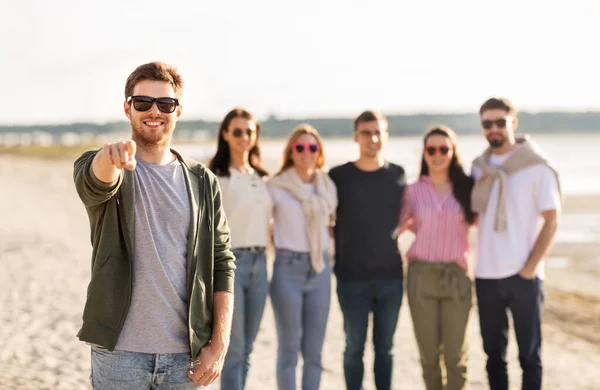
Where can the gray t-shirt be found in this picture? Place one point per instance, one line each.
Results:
(157, 318)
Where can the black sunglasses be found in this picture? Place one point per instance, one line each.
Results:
(237, 133)
(144, 103)
(432, 149)
(500, 123)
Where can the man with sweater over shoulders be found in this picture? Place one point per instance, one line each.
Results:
(517, 195)
(368, 265)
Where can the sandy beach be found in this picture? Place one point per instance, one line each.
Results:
(45, 261)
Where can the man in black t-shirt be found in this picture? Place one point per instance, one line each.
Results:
(368, 265)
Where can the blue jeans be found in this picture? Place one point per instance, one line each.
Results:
(300, 300)
(120, 370)
(357, 300)
(525, 299)
(250, 294)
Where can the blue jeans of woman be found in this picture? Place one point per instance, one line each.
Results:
(301, 300)
(250, 293)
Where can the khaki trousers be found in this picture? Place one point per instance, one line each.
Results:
(440, 299)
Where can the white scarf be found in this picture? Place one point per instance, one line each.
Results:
(318, 208)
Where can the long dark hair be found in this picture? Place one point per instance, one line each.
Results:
(462, 184)
(219, 164)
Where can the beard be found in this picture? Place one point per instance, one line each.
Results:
(496, 142)
(151, 139)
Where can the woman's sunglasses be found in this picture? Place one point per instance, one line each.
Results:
(431, 150)
(301, 147)
(144, 103)
(238, 133)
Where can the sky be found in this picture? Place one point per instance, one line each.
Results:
(65, 61)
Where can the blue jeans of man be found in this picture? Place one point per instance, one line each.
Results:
(250, 294)
(524, 298)
(357, 300)
(301, 300)
(121, 370)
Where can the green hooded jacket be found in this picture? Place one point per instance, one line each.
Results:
(110, 208)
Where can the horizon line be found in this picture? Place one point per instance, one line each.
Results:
(312, 117)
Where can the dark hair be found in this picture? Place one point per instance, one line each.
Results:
(219, 164)
(156, 71)
(369, 116)
(462, 184)
(498, 103)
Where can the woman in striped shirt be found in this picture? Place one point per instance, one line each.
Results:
(437, 210)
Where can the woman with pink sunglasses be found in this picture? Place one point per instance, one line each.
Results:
(304, 199)
(437, 209)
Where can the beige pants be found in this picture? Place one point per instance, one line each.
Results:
(440, 299)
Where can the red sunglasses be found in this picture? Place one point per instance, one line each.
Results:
(301, 147)
(431, 150)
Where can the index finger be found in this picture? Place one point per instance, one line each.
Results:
(131, 147)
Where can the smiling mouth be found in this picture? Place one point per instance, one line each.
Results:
(153, 123)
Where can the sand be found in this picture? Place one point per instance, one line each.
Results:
(45, 261)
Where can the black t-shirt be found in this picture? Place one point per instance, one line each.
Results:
(367, 215)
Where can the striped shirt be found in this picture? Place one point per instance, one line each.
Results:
(438, 223)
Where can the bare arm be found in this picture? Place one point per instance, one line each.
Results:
(405, 219)
(542, 244)
(211, 359)
(109, 161)
(222, 316)
(331, 226)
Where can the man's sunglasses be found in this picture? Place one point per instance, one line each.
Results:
(238, 133)
(301, 147)
(500, 123)
(144, 103)
(432, 149)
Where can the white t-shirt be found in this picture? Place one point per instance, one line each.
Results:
(290, 231)
(528, 192)
(248, 208)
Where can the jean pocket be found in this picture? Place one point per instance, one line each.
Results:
(285, 257)
(519, 277)
(242, 256)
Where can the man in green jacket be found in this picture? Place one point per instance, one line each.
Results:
(159, 303)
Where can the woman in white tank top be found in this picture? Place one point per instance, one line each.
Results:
(248, 208)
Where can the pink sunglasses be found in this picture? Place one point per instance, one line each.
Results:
(300, 147)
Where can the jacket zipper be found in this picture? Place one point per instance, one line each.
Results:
(192, 257)
(130, 254)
